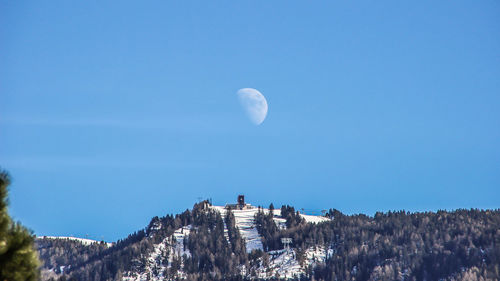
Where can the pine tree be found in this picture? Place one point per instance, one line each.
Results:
(18, 258)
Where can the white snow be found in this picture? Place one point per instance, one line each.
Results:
(314, 219)
(284, 263)
(246, 225)
(281, 263)
(317, 254)
(158, 260)
(154, 265)
(84, 241)
(179, 235)
(278, 220)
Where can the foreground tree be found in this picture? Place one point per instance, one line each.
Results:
(18, 259)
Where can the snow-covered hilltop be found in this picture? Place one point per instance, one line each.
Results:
(281, 263)
(172, 250)
(243, 242)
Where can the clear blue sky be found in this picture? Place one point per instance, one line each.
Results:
(112, 113)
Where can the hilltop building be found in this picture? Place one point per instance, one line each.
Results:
(241, 205)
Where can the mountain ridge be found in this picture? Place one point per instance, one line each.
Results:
(216, 243)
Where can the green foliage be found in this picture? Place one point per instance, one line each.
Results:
(18, 258)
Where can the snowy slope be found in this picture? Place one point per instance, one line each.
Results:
(246, 225)
(82, 240)
(179, 236)
(314, 219)
(161, 257)
(282, 263)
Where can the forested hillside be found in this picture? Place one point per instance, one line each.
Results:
(396, 245)
(205, 244)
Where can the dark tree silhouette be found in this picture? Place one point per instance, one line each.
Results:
(18, 258)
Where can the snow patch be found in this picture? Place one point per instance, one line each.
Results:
(246, 225)
(84, 241)
(180, 235)
(285, 264)
(160, 259)
(282, 264)
(314, 219)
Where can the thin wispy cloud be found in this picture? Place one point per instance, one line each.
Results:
(162, 123)
(87, 122)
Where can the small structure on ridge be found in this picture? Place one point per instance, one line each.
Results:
(241, 205)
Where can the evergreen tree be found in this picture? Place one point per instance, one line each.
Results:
(18, 259)
(271, 209)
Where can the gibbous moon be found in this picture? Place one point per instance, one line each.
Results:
(254, 103)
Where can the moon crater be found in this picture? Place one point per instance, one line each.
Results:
(254, 103)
